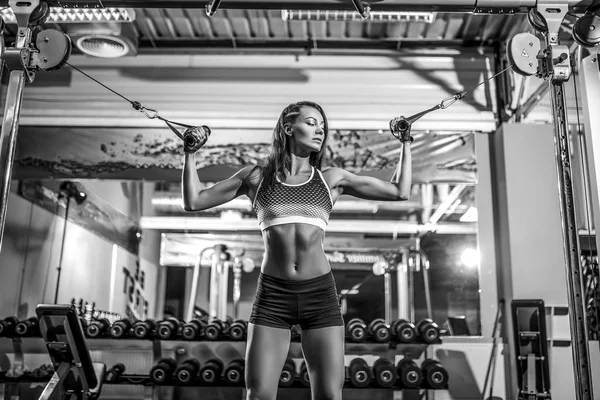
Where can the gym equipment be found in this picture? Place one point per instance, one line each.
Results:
(379, 331)
(65, 342)
(113, 374)
(7, 326)
(237, 330)
(144, 329)
(404, 331)
(428, 330)
(586, 30)
(288, 373)
(193, 330)
(304, 378)
(97, 328)
(215, 329)
(434, 374)
(234, 372)
(120, 328)
(529, 330)
(385, 373)
(167, 329)
(187, 371)
(410, 375)
(359, 372)
(28, 327)
(211, 370)
(163, 371)
(356, 330)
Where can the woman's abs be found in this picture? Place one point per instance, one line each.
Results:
(294, 251)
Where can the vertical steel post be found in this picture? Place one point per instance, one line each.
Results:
(556, 58)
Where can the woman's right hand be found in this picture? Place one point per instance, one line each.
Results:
(194, 138)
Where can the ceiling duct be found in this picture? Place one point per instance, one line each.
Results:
(108, 40)
(343, 15)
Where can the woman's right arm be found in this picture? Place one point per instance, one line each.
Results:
(197, 198)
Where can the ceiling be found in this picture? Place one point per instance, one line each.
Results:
(235, 71)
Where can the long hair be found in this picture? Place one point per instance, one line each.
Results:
(279, 159)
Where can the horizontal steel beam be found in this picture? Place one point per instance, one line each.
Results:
(373, 227)
(466, 6)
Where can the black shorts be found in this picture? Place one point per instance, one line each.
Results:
(311, 303)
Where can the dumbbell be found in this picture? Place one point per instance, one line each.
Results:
(304, 377)
(113, 374)
(404, 331)
(215, 329)
(356, 330)
(97, 327)
(428, 330)
(288, 373)
(28, 327)
(385, 373)
(379, 331)
(409, 374)
(7, 326)
(296, 333)
(359, 372)
(144, 329)
(234, 372)
(120, 328)
(211, 371)
(167, 329)
(436, 376)
(194, 329)
(187, 371)
(163, 370)
(237, 330)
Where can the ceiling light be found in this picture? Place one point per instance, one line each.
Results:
(80, 15)
(343, 15)
(103, 46)
(470, 257)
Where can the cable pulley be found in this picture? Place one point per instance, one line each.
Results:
(54, 50)
(522, 51)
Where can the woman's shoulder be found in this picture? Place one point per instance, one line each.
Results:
(251, 173)
(333, 175)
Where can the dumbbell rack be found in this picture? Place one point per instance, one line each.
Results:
(147, 352)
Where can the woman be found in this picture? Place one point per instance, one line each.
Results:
(293, 198)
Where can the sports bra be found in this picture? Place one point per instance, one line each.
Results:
(283, 203)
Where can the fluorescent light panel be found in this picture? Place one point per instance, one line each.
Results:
(80, 15)
(342, 15)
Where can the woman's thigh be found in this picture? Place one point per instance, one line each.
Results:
(323, 350)
(266, 351)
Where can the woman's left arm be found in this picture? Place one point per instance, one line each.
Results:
(369, 188)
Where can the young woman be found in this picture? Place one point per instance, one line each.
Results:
(292, 199)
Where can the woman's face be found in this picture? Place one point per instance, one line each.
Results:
(309, 129)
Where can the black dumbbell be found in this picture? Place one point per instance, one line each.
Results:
(404, 331)
(215, 329)
(187, 371)
(296, 333)
(144, 329)
(194, 330)
(409, 374)
(28, 327)
(120, 328)
(304, 377)
(7, 326)
(359, 373)
(163, 371)
(167, 329)
(234, 372)
(97, 327)
(237, 330)
(436, 376)
(385, 373)
(211, 371)
(428, 330)
(113, 374)
(356, 330)
(379, 331)
(288, 373)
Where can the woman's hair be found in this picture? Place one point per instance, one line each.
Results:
(280, 159)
